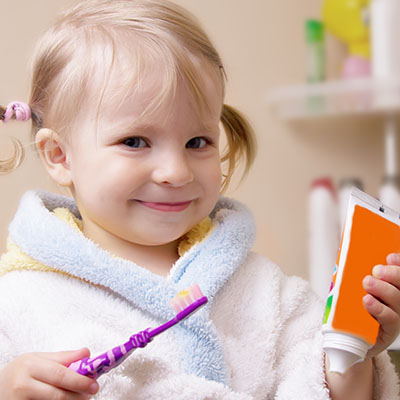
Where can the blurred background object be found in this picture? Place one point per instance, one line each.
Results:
(345, 186)
(349, 21)
(315, 57)
(323, 239)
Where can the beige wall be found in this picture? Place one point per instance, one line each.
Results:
(261, 43)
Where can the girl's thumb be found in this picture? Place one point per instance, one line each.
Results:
(68, 357)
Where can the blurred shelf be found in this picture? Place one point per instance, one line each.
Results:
(361, 96)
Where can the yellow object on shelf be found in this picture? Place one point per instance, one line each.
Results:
(349, 21)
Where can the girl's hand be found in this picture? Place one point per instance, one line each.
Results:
(45, 376)
(383, 301)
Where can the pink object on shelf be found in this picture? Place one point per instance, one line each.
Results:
(356, 67)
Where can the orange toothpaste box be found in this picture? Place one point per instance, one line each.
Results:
(371, 232)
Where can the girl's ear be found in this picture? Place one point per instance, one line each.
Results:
(54, 156)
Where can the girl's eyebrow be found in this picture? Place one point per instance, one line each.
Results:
(134, 129)
(140, 128)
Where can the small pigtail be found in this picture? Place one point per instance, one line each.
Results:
(12, 163)
(21, 112)
(241, 142)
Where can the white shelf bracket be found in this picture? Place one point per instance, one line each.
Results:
(391, 141)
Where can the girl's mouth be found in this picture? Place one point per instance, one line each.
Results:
(166, 207)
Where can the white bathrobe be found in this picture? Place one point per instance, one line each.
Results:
(257, 338)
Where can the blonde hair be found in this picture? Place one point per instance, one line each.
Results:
(93, 33)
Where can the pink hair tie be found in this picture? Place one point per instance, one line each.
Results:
(19, 109)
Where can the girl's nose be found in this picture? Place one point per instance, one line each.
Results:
(173, 170)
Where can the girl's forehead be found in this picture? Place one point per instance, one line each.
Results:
(152, 90)
(127, 68)
(136, 110)
(140, 82)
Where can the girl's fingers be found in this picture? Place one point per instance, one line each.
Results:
(41, 391)
(67, 379)
(389, 323)
(383, 303)
(55, 374)
(393, 258)
(386, 292)
(388, 273)
(66, 357)
(382, 313)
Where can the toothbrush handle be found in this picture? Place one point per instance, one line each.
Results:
(95, 367)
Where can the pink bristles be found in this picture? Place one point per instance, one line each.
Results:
(185, 298)
(195, 291)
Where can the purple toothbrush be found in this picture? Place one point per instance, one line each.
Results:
(184, 304)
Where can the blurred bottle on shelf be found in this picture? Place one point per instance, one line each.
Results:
(385, 43)
(345, 186)
(323, 234)
(315, 61)
(389, 192)
(385, 38)
(315, 57)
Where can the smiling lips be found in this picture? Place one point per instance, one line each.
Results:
(167, 207)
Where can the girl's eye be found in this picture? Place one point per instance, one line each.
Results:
(196, 143)
(135, 142)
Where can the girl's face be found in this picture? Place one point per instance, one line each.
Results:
(145, 182)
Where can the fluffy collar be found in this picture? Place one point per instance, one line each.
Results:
(46, 238)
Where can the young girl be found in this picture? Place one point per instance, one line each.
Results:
(127, 98)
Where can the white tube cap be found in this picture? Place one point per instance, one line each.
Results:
(343, 350)
(341, 360)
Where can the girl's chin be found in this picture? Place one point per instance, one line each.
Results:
(160, 241)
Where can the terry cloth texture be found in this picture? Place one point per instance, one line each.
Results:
(257, 338)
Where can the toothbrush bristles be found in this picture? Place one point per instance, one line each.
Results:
(196, 291)
(185, 298)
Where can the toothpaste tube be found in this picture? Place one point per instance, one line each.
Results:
(371, 232)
